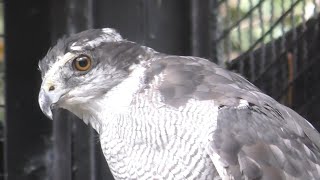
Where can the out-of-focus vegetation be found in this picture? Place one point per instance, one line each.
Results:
(252, 19)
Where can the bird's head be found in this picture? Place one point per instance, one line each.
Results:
(84, 67)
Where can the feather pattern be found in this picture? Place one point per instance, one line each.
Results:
(225, 123)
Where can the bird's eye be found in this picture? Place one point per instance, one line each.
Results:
(82, 63)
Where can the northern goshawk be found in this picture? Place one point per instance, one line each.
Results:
(162, 116)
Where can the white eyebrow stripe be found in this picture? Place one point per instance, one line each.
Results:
(107, 35)
(58, 64)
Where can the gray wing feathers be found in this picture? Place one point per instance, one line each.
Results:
(303, 124)
(259, 146)
(190, 77)
(265, 140)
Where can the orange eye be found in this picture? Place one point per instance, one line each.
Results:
(82, 63)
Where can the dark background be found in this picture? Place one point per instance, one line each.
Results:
(37, 148)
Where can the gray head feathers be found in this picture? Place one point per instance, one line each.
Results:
(83, 41)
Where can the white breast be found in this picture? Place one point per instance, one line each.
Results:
(153, 140)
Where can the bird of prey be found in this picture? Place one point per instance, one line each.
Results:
(162, 116)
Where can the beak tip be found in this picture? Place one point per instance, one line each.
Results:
(45, 104)
(49, 114)
(46, 111)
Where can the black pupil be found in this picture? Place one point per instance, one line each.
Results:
(82, 61)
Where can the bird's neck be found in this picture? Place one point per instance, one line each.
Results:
(103, 110)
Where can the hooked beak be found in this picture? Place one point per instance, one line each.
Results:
(51, 91)
(48, 100)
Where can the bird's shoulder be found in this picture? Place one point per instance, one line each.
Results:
(184, 78)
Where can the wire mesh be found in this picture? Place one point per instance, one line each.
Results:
(273, 44)
(246, 25)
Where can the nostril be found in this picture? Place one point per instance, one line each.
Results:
(51, 88)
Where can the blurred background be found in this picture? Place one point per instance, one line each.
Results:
(273, 43)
